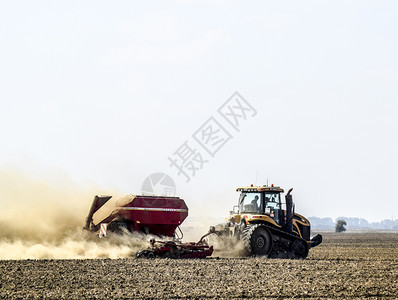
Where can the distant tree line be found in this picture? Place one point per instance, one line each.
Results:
(353, 223)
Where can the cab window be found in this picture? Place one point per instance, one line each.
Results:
(272, 198)
(273, 206)
(250, 203)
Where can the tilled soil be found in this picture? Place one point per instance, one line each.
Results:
(347, 265)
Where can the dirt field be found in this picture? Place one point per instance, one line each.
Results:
(348, 265)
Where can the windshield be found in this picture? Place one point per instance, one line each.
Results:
(250, 202)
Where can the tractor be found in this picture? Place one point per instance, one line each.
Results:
(267, 225)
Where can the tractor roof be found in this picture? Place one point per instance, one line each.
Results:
(263, 188)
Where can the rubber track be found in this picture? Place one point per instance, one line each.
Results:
(246, 236)
(248, 231)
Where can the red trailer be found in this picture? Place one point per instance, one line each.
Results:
(156, 215)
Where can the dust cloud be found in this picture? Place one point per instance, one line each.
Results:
(227, 247)
(198, 224)
(223, 245)
(43, 218)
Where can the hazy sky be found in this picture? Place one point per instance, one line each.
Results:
(105, 92)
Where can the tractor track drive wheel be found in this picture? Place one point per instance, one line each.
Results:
(257, 240)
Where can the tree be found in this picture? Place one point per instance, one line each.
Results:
(340, 226)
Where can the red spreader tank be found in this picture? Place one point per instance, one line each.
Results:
(155, 215)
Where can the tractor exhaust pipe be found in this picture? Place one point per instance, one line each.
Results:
(289, 211)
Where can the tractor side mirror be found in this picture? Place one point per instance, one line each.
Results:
(235, 209)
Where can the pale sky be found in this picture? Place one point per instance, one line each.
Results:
(106, 91)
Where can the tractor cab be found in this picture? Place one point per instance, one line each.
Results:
(264, 200)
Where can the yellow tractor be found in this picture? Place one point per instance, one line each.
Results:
(268, 226)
